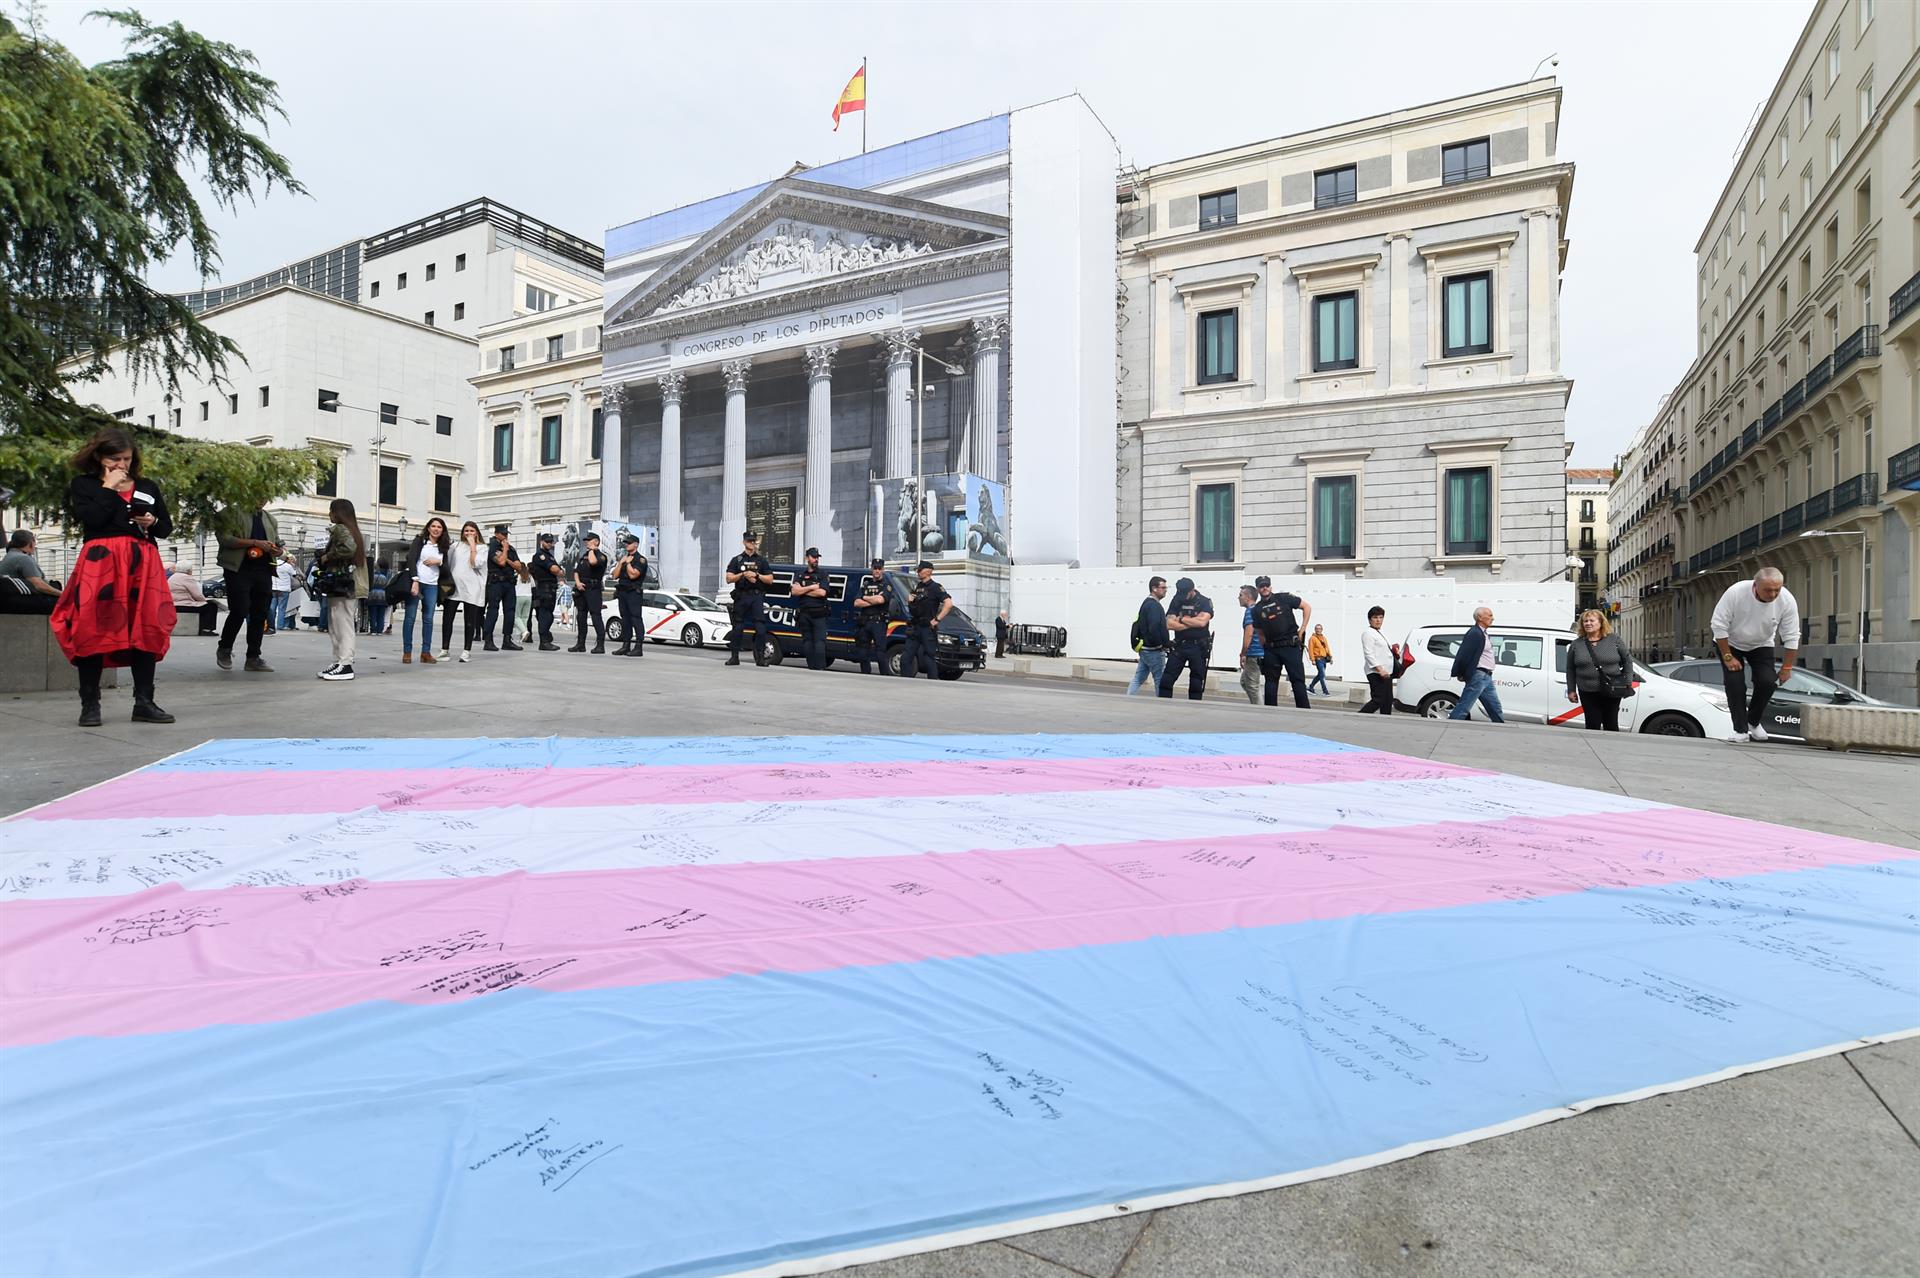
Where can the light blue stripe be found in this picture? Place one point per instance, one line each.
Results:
(753, 1118)
(575, 752)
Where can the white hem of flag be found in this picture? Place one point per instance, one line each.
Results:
(791, 1268)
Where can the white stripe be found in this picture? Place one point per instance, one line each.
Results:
(112, 857)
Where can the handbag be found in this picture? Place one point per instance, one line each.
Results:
(1615, 685)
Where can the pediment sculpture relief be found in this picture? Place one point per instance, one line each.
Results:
(793, 251)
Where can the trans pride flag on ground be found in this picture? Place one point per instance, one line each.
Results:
(711, 1006)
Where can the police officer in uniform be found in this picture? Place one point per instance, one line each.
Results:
(546, 590)
(1280, 636)
(810, 606)
(1189, 622)
(749, 574)
(589, 577)
(503, 570)
(871, 608)
(927, 606)
(629, 583)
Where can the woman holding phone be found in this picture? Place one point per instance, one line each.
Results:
(116, 609)
(424, 559)
(469, 567)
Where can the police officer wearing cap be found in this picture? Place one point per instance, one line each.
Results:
(871, 609)
(1189, 625)
(629, 583)
(589, 577)
(546, 590)
(1280, 637)
(749, 574)
(503, 570)
(811, 588)
(927, 606)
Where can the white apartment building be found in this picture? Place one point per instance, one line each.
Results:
(1640, 553)
(1798, 417)
(1340, 349)
(1587, 532)
(541, 427)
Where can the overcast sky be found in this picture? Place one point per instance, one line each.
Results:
(589, 115)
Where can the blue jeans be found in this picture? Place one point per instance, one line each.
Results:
(1152, 664)
(423, 604)
(1479, 688)
(1319, 676)
(277, 614)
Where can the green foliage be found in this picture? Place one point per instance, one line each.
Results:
(97, 170)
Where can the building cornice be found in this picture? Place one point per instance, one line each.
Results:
(1240, 414)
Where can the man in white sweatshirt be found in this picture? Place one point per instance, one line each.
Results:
(1747, 621)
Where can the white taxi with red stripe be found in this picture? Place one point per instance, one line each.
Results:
(682, 617)
(1530, 672)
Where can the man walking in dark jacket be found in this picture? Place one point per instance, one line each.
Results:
(1473, 665)
(1150, 639)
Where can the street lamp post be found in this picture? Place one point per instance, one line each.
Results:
(920, 391)
(379, 441)
(1860, 621)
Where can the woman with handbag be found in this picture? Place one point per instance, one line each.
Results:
(115, 609)
(468, 565)
(342, 579)
(421, 590)
(1599, 672)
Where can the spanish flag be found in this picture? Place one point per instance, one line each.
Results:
(853, 97)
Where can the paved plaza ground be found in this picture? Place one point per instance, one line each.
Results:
(1808, 1169)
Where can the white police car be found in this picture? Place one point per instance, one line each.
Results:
(1530, 672)
(675, 616)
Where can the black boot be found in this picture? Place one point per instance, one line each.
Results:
(145, 711)
(624, 650)
(548, 645)
(733, 658)
(599, 646)
(580, 646)
(89, 710)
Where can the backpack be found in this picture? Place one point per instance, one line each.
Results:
(377, 589)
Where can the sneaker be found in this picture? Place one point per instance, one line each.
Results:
(463, 656)
(337, 674)
(510, 646)
(549, 647)
(329, 670)
(257, 665)
(1756, 734)
(223, 657)
(1738, 738)
(446, 654)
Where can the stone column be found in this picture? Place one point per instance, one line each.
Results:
(613, 453)
(989, 334)
(819, 489)
(902, 345)
(674, 565)
(1400, 311)
(1543, 290)
(579, 429)
(733, 458)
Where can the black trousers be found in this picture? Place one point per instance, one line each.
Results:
(543, 602)
(209, 613)
(813, 640)
(449, 609)
(1602, 712)
(749, 612)
(1194, 661)
(1285, 658)
(589, 607)
(633, 623)
(140, 663)
(1757, 662)
(922, 652)
(1379, 694)
(474, 627)
(501, 598)
(249, 602)
(870, 642)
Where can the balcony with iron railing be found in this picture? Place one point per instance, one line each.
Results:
(1904, 299)
(1857, 491)
(1903, 468)
(1863, 343)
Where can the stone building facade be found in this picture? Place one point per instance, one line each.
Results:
(1587, 533)
(1645, 537)
(1339, 350)
(540, 428)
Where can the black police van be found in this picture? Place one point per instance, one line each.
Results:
(961, 645)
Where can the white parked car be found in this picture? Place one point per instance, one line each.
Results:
(1531, 676)
(675, 616)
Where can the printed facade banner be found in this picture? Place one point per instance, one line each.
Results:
(708, 1006)
(959, 514)
(570, 538)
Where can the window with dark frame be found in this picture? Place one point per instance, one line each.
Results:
(266, 396)
(1219, 347)
(389, 485)
(443, 493)
(1468, 515)
(400, 280)
(506, 359)
(1586, 510)
(550, 441)
(1336, 331)
(442, 424)
(1222, 208)
(1335, 186)
(389, 414)
(599, 433)
(1213, 524)
(432, 269)
(459, 262)
(329, 401)
(206, 410)
(1464, 162)
(373, 290)
(503, 446)
(430, 323)
(1467, 326)
(556, 347)
(233, 402)
(1335, 516)
(328, 485)
(459, 310)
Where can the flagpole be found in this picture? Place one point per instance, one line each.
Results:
(866, 95)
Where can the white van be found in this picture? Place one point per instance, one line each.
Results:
(1530, 673)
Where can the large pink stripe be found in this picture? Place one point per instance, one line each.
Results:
(184, 794)
(173, 960)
